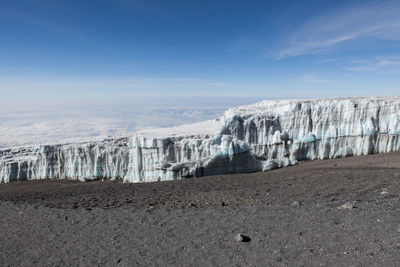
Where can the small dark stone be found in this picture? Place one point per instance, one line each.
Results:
(242, 238)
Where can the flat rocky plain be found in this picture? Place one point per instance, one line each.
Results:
(341, 212)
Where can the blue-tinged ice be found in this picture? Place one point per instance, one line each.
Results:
(258, 137)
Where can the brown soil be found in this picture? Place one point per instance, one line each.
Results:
(312, 181)
(293, 217)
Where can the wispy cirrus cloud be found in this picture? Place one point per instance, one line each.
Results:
(378, 20)
(388, 65)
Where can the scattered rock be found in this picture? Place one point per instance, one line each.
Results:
(242, 238)
(385, 191)
(296, 204)
(223, 204)
(346, 206)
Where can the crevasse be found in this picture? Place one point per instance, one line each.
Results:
(262, 136)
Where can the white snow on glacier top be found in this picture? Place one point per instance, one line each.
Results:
(273, 107)
(286, 105)
(209, 127)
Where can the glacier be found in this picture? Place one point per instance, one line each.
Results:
(82, 161)
(258, 137)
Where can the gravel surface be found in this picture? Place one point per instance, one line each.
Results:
(342, 212)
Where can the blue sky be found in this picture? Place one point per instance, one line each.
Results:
(89, 69)
(125, 50)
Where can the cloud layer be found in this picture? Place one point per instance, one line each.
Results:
(379, 20)
(28, 125)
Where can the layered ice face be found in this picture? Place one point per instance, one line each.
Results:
(258, 137)
(80, 161)
(267, 135)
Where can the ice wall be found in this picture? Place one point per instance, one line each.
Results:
(263, 136)
(81, 161)
(267, 135)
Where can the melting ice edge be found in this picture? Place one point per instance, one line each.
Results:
(258, 137)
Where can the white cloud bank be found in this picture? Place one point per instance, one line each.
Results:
(32, 125)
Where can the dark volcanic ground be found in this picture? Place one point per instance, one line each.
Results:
(292, 215)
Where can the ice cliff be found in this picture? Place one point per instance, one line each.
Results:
(263, 136)
(82, 161)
